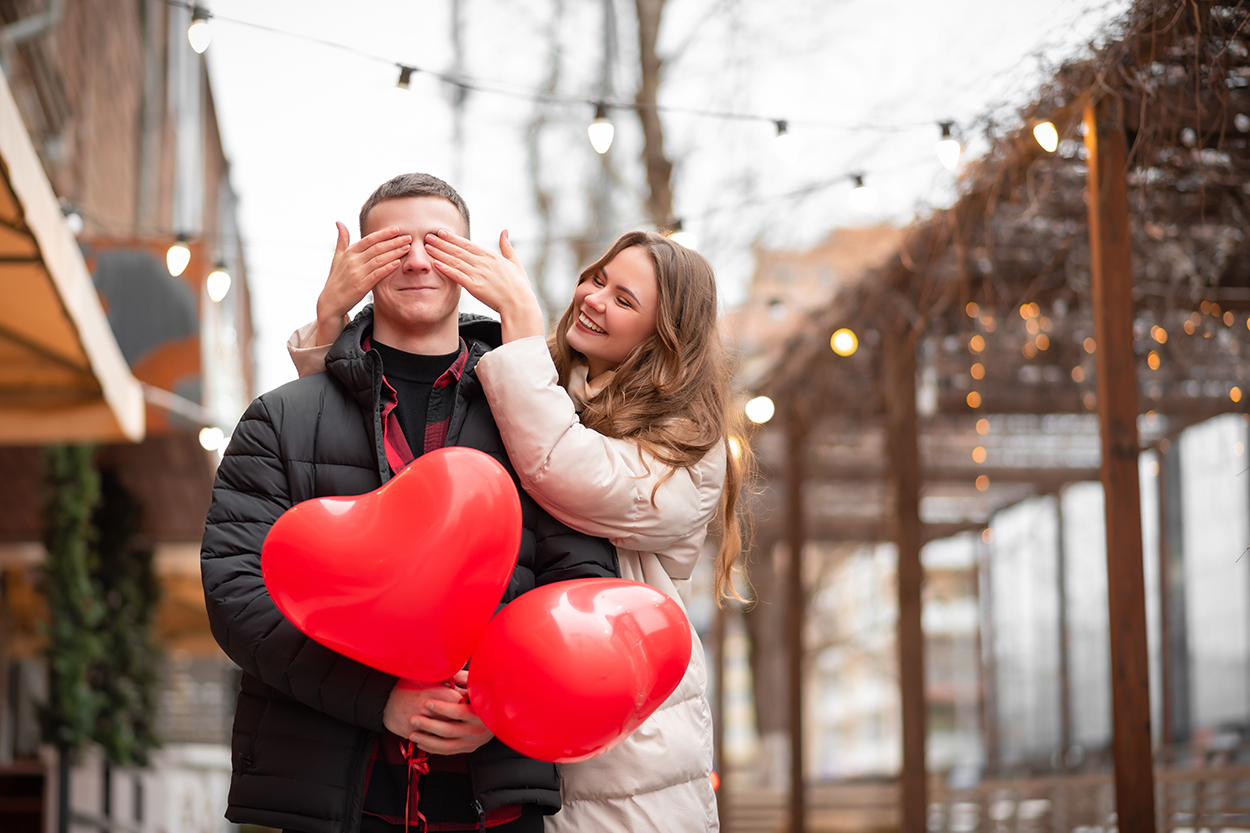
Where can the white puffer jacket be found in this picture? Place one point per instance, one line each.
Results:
(659, 778)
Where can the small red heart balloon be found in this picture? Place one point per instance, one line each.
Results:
(404, 578)
(567, 671)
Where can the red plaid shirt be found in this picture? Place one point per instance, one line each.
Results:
(389, 755)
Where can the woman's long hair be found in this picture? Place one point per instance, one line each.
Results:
(672, 394)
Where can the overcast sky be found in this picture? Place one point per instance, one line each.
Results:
(311, 129)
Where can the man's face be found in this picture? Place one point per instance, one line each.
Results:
(415, 297)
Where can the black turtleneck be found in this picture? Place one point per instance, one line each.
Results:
(413, 376)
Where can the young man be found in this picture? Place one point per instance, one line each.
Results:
(318, 742)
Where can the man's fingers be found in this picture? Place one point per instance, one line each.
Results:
(458, 712)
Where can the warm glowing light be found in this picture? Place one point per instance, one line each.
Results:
(1029, 350)
(1153, 468)
(974, 399)
(979, 454)
(976, 344)
(973, 309)
(211, 438)
(1025, 310)
(1090, 401)
(601, 130)
(1189, 326)
(1032, 326)
(983, 484)
(1042, 341)
(986, 534)
(1090, 345)
(218, 283)
(863, 198)
(1045, 324)
(1205, 306)
(948, 148)
(735, 448)
(1078, 374)
(685, 239)
(1228, 319)
(198, 33)
(1152, 360)
(844, 342)
(978, 371)
(178, 256)
(1235, 394)
(1046, 135)
(988, 322)
(983, 426)
(1159, 334)
(760, 409)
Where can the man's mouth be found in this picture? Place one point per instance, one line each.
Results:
(590, 325)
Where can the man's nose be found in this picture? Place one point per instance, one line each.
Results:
(417, 260)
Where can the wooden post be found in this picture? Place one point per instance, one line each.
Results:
(796, 437)
(903, 453)
(1174, 645)
(1112, 284)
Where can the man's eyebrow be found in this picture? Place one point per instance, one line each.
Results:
(604, 271)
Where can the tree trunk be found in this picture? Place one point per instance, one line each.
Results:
(659, 169)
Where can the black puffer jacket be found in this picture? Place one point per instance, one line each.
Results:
(307, 717)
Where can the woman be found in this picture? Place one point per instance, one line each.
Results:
(618, 425)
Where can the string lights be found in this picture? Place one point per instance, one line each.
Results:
(178, 256)
(199, 33)
(863, 198)
(1046, 135)
(601, 130)
(218, 283)
(405, 77)
(948, 147)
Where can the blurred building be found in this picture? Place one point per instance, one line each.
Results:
(115, 114)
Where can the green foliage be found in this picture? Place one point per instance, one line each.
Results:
(127, 677)
(74, 606)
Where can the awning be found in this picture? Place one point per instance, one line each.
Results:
(62, 375)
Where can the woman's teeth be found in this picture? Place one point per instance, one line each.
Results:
(590, 325)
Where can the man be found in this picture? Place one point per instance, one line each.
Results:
(320, 741)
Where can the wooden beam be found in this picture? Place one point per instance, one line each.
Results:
(903, 453)
(796, 438)
(1112, 291)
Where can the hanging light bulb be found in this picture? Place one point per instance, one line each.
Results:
(784, 143)
(844, 342)
(211, 437)
(218, 283)
(680, 236)
(1046, 135)
(178, 256)
(199, 33)
(948, 148)
(760, 409)
(601, 130)
(863, 198)
(405, 76)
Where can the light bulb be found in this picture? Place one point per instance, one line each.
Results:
(863, 198)
(948, 148)
(760, 409)
(405, 76)
(211, 437)
(1047, 136)
(199, 34)
(178, 256)
(844, 342)
(601, 130)
(218, 283)
(784, 143)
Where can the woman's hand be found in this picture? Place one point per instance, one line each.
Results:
(436, 717)
(354, 271)
(498, 281)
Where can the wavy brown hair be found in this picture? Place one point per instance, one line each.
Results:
(672, 394)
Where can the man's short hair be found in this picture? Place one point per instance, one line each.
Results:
(414, 185)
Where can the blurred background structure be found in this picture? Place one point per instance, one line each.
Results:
(963, 615)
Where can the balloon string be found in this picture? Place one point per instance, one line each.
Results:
(418, 765)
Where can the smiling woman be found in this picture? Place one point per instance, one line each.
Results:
(616, 309)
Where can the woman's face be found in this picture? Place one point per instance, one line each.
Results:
(615, 310)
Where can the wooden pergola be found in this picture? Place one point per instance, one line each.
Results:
(1110, 277)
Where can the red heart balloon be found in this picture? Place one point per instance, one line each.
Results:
(404, 578)
(569, 670)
